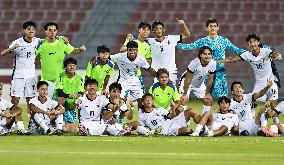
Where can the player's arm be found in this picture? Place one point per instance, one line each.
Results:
(123, 48)
(59, 109)
(234, 49)
(230, 59)
(185, 30)
(263, 91)
(38, 110)
(152, 72)
(9, 50)
(197, 44)
(79, 50)
(275, 55)
(149, 60)
(187, 81)
(106, 80)
(209, 83)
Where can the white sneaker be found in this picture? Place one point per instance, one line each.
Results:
(195, 133)
(2, 131)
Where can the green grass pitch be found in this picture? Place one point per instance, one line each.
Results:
(69, 150)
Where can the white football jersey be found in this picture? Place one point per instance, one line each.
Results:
(163, 53)
(24, 63)
(153, 119)
(280, 107)
(49, 105)
(90, 110)
(243, 108)
(260, 64)
(227, 119)
(4, 105)
(200, 72)
(128, 69)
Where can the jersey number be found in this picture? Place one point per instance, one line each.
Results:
(154, 122)
(92, 113)
(258, 66)
(29, 54)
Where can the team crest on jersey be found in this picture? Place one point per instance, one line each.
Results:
(169, 42)
(220, 46)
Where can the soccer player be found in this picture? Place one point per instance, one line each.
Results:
(47, 112)
(163, 47)
(279, 109)
(158, 120)
(193, 79)
(52, 52)
(218, 124)
(144, 29)
(101, 68)
(164, 91)
(260, 61)
(69, 87)
(241, 104)
(9, 114)
(219, 45)
(24, 78)
(91, 107)
(128, 63)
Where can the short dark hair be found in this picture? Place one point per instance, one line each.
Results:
(223, 98)
(146, 95)
(90, 81)
(156, 23)
(115, 85)
(132, 44)
(202, 49)
(161, 71)
(29, 23)
(212, 20)
(252, 35)
(41, 83)
(69, 61)
(103, 49)
(144, 24)
(50, 24)
(234, 83)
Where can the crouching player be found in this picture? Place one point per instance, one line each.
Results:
(90, 108)
(159, 120)
(10, 114)
(241, 104)
(48, 114)
(193, 79)
(69, 87)
(220, 123)
(278, 127)
(164, 92)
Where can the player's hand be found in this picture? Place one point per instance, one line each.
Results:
(129, 37)
(184, 99)
(267, 103)
(79, 101)
(269, 82)
(278, 56)
(8, 115)
(83, 48)
(221, 61)
(208, 97)
(65, 39)
(180, 22)
(73, 96)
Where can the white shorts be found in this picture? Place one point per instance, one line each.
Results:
(3, 121)
(94, 127)
(271, 94)
(198, 92)
(21, 87)
(171, 126)
(134, 92)
(250, 126)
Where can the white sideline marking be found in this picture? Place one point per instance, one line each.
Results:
(141, 153)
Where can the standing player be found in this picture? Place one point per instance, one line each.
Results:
(163, 47)
(10, 114)
(220, 123)
(241, 104)
(47, 112)
(164, 91)
(101, 68)
(24, 78)
(144, 29)
(129, 62)
(193, 79)
(52, 52)
(91, 107)
(260, 61)
(69, 87)
(168, 122)
(219, 45)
